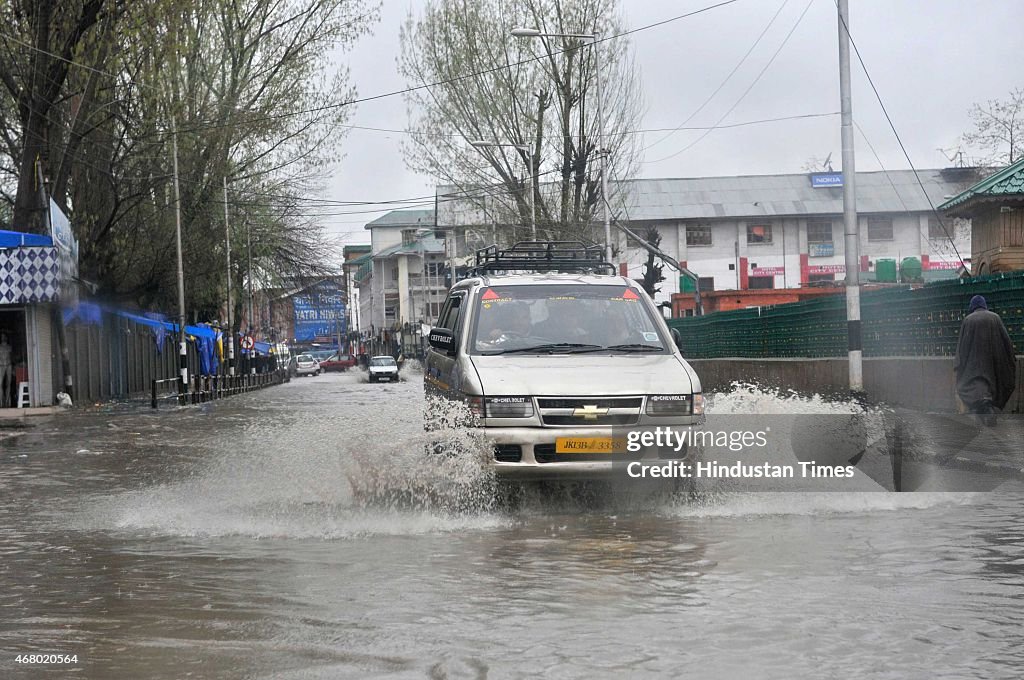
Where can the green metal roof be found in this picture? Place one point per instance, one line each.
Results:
(351, 250)
(404, 218)
(1007, 182)
(426, 245)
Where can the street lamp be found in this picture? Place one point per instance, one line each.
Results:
(593, 38)
(480, 143)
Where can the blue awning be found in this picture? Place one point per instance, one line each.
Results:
(17, 239)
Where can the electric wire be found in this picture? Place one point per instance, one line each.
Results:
(896, 134)
(745, 92)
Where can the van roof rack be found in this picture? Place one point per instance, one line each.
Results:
(543, 256)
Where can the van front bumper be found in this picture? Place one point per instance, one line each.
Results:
(531, 453)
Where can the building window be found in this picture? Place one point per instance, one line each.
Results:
(759, 233)
(813, 279)
(706, 283)
(761, 282)
(936, 230)
(819, 232)
(408, 237)
(435, 268)
(698, 234)
(879, 228)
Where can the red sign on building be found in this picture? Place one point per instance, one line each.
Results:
(826, 269)
(767, 271)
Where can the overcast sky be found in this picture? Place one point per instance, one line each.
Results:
(929, 59)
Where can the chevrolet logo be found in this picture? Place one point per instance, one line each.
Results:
(589, 412)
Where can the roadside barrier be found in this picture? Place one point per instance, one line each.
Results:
(896, 321)
(203, 388)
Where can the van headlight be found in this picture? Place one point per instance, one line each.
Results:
(508, 407)
(670, 404)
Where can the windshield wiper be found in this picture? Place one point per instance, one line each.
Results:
(551, 347)
(636, 347)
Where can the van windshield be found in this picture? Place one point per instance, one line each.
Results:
(564, 318)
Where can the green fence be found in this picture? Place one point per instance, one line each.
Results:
(897, 321)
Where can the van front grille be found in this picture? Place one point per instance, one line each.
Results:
(589, 411)
(626, 419)
(582, 402)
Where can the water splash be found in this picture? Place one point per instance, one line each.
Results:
(378, 467)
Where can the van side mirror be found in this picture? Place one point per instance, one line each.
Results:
(442, 339)
(677, 339)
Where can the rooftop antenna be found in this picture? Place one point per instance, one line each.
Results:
(827, 163)
(958, 155)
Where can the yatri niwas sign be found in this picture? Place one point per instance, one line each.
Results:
(319, 312)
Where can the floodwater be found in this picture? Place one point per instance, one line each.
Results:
(302, 532)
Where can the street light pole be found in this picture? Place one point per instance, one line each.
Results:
(852, 232)
(182, 349)
(593, 38)
(480, 143)
(603, 152)
(227, 239)
(248, 251)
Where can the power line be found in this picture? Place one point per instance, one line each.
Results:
(745, 92)
(906, 155)
(725, 81)
(641, 131)
(407, 90)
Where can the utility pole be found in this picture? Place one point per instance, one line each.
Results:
(248, 250)
(853, 325)
(604, 153)
(182, 349)
(227, 239)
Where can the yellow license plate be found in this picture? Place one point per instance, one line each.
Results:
(590, 445)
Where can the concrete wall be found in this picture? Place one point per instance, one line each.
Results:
(920, 383)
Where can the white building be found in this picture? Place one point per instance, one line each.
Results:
(403, 281)
(775, 231)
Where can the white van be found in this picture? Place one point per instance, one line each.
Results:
(551, 351)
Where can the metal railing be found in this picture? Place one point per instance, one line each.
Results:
(203, 388)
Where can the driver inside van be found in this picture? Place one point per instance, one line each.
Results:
(505, 322)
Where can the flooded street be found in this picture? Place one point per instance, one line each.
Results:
(301, 532)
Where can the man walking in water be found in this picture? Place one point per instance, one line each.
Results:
(986, 371)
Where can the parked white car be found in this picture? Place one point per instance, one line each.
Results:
(305, 364)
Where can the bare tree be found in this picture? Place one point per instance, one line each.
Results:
(653, 268)
(999, 129)
(539, 94)
(256, 98)
(40, 39)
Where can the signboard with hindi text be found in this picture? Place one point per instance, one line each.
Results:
(319, 312)
(67, 251)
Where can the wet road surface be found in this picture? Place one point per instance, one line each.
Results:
(300, 532)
